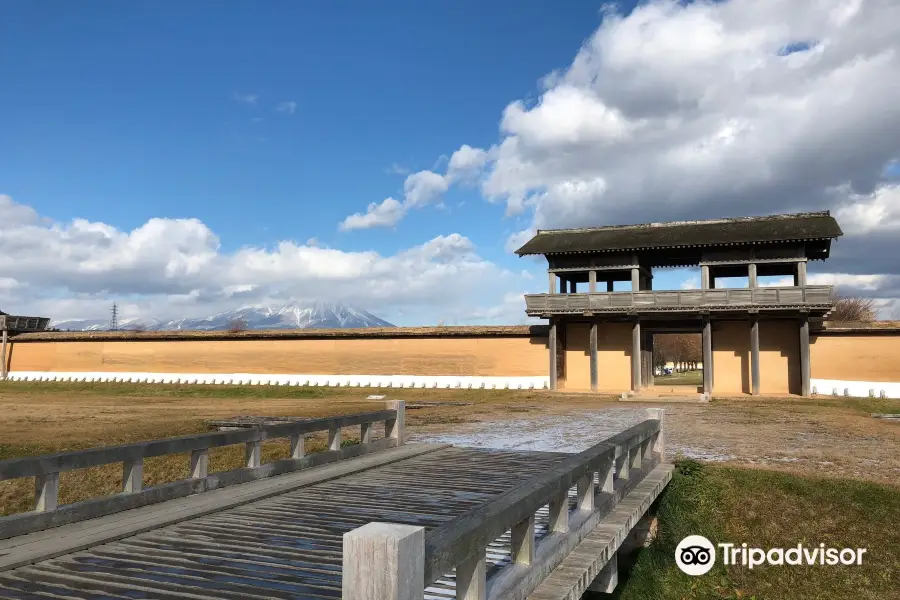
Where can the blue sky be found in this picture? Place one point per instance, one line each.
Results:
(270, 123)
(123, 112)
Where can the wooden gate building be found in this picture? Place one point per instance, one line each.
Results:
(755, 339)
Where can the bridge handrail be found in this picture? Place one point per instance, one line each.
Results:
(46, 468)
(447, 547)
(621, 462)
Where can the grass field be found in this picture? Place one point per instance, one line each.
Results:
(767, 509)
(759, 506)
(686, 378)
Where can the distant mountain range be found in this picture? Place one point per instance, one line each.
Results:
(315, 315)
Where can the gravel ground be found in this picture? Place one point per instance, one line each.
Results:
(788, 435)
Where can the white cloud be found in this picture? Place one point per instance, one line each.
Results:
(288, 107)
(386, 214)
(423, 188)
(170, 268)
(708, 109)
(466, 164)
(420, 189)
(244, 98)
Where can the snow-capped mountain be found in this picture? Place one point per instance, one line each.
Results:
(316, 315)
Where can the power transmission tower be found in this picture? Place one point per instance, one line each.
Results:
(114, 322)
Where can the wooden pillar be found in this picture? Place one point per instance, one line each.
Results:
(707, 356)
(4, 372)
(636, 356)
(609, 285)
(804, 356)
(751, 275)
(801, 274)
(635, 279)
(572, 288)
(754, 354)
(704, 277)
(649, 376)
(552, 349)
(553, 284)
(592, 281)
(594, 381)
(384, 560)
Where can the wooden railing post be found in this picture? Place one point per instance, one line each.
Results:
(200, 463)
(384, 561)
(46, 492)
(471, 578)
(623, 465)
(586, 492)
(634, 455)
(659, 438)
(522, 541)
(396, 428)
(365, 433)
(334, 438)
(607, 478)
(132, 475)
(559, 512)
(298, 445)
(253, 454)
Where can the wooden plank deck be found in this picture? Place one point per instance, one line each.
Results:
(284, 546)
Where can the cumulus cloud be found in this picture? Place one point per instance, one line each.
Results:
(707, 109)
(384, 214)
(170, 268)
(420, 189)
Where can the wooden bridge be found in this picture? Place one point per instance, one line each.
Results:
(375, 520)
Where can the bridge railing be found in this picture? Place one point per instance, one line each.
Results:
(388, 560)
(46, 469)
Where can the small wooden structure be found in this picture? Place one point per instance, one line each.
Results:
(375, 520)
(752, 247)
(12, 324)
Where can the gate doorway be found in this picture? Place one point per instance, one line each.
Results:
(677, 362)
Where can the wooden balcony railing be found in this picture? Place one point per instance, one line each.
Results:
(14, 323)
(813, 296)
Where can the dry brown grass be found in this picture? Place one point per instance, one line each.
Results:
(40, 418)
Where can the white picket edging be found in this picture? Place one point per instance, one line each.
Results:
(379, 381)
(862, 389)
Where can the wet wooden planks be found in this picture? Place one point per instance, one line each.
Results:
(286, 546)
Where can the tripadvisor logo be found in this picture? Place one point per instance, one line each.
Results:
(696, 555)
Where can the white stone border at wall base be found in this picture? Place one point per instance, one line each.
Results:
(861, 389)
(361, 381)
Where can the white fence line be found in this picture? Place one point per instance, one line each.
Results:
(376, 381)
(871, 389)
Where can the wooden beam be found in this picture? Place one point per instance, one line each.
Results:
(704, 277)
(594, 365)
(707, 356)
(801, 274)
(804, 356)
(754, 354)
(553, 284)
(635, 279)
(592, 281)
(751, 275)
(552, 348)
(636, 356)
